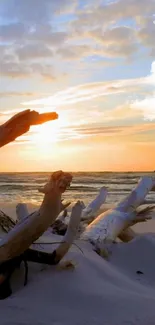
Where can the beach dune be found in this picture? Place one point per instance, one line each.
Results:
(120, 291)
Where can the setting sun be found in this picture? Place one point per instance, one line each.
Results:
(46, 133)
(50, 132)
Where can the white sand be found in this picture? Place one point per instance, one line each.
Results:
(96, 292)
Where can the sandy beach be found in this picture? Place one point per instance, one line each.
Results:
(118, 291)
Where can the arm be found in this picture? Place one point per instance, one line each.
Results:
(20, 124)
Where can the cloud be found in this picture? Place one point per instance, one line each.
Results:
(110, 131)
(12, 32)
(19, 70)
(35, 48)
(33, 51)
(4, 116)
(75, 51)
(138, 108)
(32, 20)
(44, 34)
(146, 106)
(27, 35)
(151, 78)
(34, 11)
(146, 34)
(90, 129)
(18, 33)
(39, 31)
(89, 91)
(109, 13)
(116, 42)
(16, 94)
(78, 94)
(14, 70)
(123, 112)
(132, 109)
(107, 23)
(39, 37)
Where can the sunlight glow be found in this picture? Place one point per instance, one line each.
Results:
(46, 134)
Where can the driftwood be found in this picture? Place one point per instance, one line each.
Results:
(110, 224)
(71, 232)
(63, 247)
(137, 196)
(95, 205)
(21, 211)
(7, 267)
(31, 228)
(141, 214)
(58, 227)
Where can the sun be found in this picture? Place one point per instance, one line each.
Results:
(50, 132)
(46, 133)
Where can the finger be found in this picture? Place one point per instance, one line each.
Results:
(45, 117)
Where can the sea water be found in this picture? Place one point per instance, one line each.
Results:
(23, 187)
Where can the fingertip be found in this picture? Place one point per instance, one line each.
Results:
(55, 116)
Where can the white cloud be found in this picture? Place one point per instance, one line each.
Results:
(153, 71)
(16, 94)
(147, 105)
(89, 91)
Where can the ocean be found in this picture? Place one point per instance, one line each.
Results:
(23, 187)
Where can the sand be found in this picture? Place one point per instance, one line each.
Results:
(96, 292)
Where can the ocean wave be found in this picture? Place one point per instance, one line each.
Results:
(85, 186)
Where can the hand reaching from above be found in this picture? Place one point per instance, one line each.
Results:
(20, 124)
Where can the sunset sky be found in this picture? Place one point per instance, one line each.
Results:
(93, 62)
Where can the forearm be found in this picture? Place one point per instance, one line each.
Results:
(2, 138)
(6, 135)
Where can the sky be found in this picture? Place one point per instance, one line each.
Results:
(91, 61)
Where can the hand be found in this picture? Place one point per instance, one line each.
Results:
(20, 124)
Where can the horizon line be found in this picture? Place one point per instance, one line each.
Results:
(78, 171)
